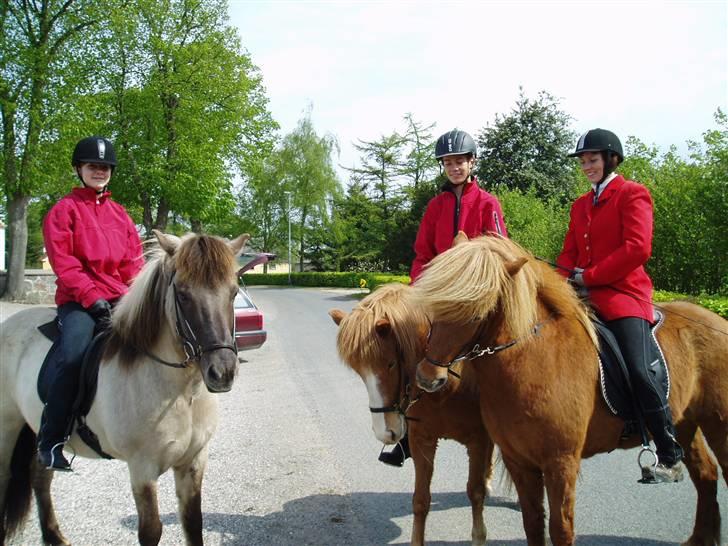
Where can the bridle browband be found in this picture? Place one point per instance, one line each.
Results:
(192, 348)
(477, 352)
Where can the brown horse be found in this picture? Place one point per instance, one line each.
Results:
(382, 340)
(534, 353)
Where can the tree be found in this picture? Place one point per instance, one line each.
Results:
(307, 171)
(419, 163)
(527, 149)
(41, 52)
(180, 135)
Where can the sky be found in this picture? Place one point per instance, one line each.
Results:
(654, 70)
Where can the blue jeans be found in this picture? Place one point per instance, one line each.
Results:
(77, 330)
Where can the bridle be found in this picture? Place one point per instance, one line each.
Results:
(405, 402)
(192, 348)
(477, 351)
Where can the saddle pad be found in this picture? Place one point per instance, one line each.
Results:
(614, 385)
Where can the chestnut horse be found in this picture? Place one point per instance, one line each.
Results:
(534, 352)
(382, 340)
(171, 347)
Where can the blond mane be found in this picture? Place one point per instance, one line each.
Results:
(358, 343)
(471, 281)
(200, 260)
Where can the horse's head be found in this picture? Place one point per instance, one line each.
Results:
(381, 340)
(201, 286)
(471, 292)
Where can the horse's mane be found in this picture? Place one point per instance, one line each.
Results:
(472, 280)
(356, 340)
(200, 260)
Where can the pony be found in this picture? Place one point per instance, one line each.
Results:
(170, 349)
(533, 350)
(382, 339)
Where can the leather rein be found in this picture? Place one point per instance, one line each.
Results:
(477, 351)
(192, 348)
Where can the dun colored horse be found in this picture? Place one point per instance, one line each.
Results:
(170, 349)
(533, 350)
(382, 340)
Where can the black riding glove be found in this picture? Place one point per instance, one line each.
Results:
(100, 310)
(577, 281)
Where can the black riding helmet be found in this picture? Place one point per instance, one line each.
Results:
(94, 149)
(599, 140)
(604, 142)
(455, 142)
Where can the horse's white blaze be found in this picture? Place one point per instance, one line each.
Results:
(388, 427)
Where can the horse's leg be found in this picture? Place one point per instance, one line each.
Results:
(41, 481)
(144, 488)
(423, 455)
(489, 465)
(529, 484)
(17, 447)
(560, 480)
(704, 473)
(715, 430)
(480, 455)
(188, 483)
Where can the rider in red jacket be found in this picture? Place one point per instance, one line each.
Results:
(95, 252)
(461, 206)
(606, 247)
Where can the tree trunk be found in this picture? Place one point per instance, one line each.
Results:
(18, 242)
(196, 225)
(162, 215)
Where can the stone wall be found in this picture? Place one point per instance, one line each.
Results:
(40, 285)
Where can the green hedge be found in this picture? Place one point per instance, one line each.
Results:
(717, 304)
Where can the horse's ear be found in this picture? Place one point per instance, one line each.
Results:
(237, 245)
(461, 237)
(338, 315)
(169, 243)
(382, 327)
(514, 266)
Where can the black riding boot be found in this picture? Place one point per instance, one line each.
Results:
(52, 434)
(398, 455)
(669, 451)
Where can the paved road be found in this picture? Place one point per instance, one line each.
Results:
(294, 463)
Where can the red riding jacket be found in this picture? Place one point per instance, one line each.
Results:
(477, 213)
(612, 242)
(93, 247)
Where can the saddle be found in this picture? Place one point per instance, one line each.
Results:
(613, 378)
(87, 382)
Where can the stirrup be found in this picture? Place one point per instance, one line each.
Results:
(396, 457)
(54, 459)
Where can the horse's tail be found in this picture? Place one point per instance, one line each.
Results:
(18, 492)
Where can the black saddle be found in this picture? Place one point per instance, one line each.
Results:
(615, 384)
(87, 382)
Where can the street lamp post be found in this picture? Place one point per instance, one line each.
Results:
(290, 265)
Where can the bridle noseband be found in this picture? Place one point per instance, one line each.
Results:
(192, 348)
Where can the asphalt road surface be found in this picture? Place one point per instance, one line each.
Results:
(294, 462)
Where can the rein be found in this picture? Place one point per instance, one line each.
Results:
(477, 352)
(192, 349)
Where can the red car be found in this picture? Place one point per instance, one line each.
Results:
(249, 332)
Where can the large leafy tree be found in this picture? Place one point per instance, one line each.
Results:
(527, 149)
(181, 134)
(43, 48)
(307, 171)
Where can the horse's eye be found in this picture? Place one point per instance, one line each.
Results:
(392, 365)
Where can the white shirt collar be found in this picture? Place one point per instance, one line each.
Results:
(604, 184)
